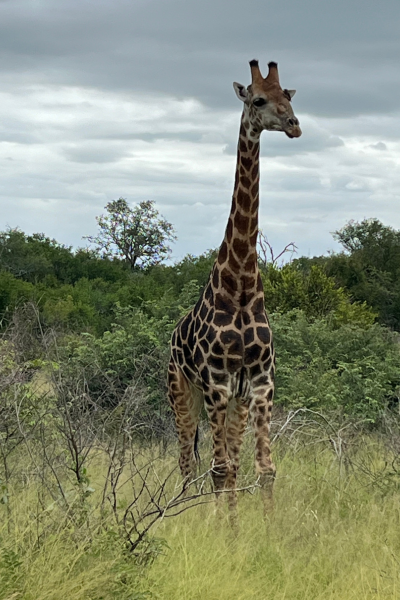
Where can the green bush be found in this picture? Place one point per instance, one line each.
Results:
(350, 369)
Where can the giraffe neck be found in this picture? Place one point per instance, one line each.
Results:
(237, 257)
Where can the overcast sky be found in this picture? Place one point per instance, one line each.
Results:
(102, 99)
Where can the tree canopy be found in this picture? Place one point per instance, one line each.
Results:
(140, 234)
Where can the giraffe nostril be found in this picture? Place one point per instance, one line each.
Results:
(291, 122)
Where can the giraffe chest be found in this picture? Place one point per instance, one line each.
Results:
(236, 353)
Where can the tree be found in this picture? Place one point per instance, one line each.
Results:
(140, 234)
(380, 242)
(370, 267)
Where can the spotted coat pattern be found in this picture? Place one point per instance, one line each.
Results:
(222, 352)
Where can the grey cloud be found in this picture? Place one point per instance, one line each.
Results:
(124, 133)
(13, 130)
(378, 146)
(341, 56)
(84, 153)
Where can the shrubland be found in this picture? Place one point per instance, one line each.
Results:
(90, 497)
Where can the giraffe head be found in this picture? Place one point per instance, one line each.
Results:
(266, 104)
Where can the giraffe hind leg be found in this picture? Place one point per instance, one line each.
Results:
(236, 420)
(260, 416)
(186, 403)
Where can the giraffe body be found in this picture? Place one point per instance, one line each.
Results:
(222, 351)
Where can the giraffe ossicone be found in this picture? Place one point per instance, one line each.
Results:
(222, 352)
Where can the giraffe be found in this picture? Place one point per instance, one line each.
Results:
(222, 351)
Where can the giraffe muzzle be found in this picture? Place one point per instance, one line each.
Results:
(292, 128)
(295, 132)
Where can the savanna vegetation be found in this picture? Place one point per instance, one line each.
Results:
(90, 498)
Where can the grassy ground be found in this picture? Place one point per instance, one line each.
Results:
(334, 534)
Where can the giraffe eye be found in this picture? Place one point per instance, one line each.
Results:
(259, 102)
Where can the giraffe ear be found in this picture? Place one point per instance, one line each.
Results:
(289, 93)
(241, 91)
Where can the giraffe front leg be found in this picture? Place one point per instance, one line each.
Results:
(186, 403)
(235, 428)
(216, 403)
(260, 416)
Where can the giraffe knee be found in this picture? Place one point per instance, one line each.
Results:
(219, 474)
(267, 475)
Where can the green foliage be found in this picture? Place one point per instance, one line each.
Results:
(369, 269)
(117, 324)
(351, 369)
(139, 234)
(11, 572)
(313, 292)
(13, 291)
(136, 348)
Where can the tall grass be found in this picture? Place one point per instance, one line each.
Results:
(334, 534)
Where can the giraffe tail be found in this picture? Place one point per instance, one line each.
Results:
(196, 445)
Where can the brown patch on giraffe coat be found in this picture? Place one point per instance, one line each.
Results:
(224, 303)
(248, 336)
(251, 265)
(208, 294)
(189, 374)
(233, 341)
(216, 362)
(241, 223)
(255, 370)
(205, 345)
(223, 252)
(254, 189)
(233, 263)
(238, 321)
(245, 182)
(246, 318)
(252, 353)
(242, 145)
(241, 248)
(261, 380)
(184, 327)
(205, 375)
(261, 318)
(254, 172)
(220, 378)
(267, 364)
(221, 319)
(198, 357)
(233, 364)
(247, 163)
(212, 334)
(244, 200)
(229, 231)
(266, 354)
(203, 311)
(258, 306)
(228, 281)
(210, 315)
(215, 278)
(203, 330)
(264, 334)
(245, 299)
(247, 282)
(217, 348)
